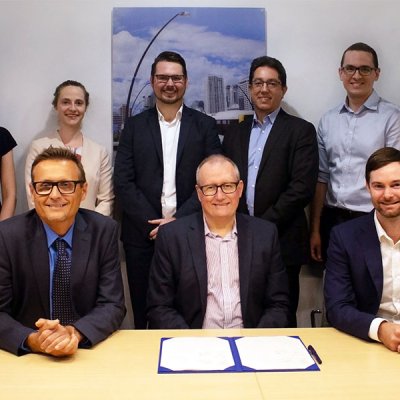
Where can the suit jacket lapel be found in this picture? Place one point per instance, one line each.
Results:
(186, 122)
(81, 244)
(372, 252)
(245, 131)
(245, 239)
(197, 248)
(274, 136)
(38, 256)
(155, 132)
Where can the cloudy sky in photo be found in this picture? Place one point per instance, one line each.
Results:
(213, 41)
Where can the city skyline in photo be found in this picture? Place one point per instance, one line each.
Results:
(217, 44)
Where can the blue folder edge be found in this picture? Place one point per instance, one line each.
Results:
(238, 367)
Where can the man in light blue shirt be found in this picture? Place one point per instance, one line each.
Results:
(258, 137)
(347, 135)
(277, 156)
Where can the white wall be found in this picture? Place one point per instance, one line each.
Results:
(44, 42)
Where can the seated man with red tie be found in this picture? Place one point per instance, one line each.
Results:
(60, 279)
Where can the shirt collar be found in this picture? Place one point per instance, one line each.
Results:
(52, 236)
(230, 235)
(178, 115)
(379, 230)
(371, 103)
(270, 117)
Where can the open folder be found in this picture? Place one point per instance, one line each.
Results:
(234, 354)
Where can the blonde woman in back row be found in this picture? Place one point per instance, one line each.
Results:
(70, 102)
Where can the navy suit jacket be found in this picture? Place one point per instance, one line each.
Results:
(177, 296)
(96, 283)
(286, 178)
(354, 276)
(139, 171)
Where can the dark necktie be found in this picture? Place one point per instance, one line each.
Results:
(62, 301)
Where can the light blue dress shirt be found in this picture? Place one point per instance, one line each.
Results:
(258, 137)
(51, 237)
(346, 139)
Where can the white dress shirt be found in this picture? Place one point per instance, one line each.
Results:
(169, 139)
(389, 309)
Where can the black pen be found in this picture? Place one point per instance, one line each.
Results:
(314, 354)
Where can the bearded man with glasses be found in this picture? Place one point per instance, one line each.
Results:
(218, 268)
(277, 156)
(155, 168)
(347, 135)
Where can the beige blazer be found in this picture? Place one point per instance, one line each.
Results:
(98, 170)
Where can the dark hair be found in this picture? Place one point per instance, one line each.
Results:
(59, 153)
(380, 158)
(65, 84)
(217, 158)
(169, 56)
(362, 47)
(271, 62)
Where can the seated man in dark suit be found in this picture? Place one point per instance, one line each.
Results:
(218, 269)
(362, 283)
(60, 280)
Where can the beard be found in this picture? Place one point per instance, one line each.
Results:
(392, 212)
(170, 97)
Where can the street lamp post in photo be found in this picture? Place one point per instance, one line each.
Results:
(128, 109)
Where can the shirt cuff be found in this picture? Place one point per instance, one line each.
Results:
(373, 329)
(323, 177)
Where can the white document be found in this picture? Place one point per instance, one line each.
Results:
(196, 354)
(258, 353)
(273, 353)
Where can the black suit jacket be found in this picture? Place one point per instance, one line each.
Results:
(177, 296)
(97, 291)
(354, 276)
(286, 178)
(139, 171)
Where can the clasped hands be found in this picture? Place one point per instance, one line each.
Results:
(53, 338)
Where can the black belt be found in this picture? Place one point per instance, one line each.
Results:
(342, 213)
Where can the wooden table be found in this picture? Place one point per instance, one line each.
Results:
(125, 367)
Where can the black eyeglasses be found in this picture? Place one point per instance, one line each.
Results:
(271, 83)
(64, 187)
(211, 190)
(174, 78)
(364, 70)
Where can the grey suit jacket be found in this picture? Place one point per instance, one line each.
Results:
(177, 296)
(96, 284)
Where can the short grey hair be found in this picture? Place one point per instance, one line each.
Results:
(214, 159)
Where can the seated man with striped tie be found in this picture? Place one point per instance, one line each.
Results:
(60, 279)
